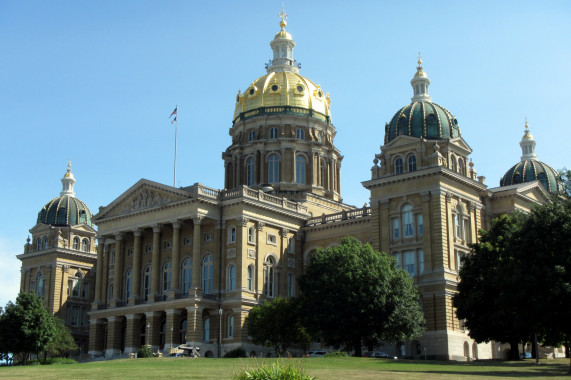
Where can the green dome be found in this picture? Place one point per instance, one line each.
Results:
(65, 211)
(422, 119)
(533, 170)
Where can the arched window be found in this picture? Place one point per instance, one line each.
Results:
(186, 275)
(407, 220)
(146, 282)
(232, 277)
(251, 235)
(300, 169)
(128, 284)
(399, 166)
(250, 278)
(300, 134)
(183, 330)
(461, 167)
(291, 285)
(40, 282)
(75, 242)
(453, 163)
(250, 171)
(232, 234)
(207, 274)
(274, 168)
(85, 245)
(269, 276)
(411, 162)
(206, 329)
(45, 242)
(273, 133)
(38, 244)
(167, 276)
(230, 326)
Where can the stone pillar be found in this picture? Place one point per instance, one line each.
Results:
(241, 252)
(175, 283)
(196, 240)
(449, 232)
(194, 325)
(113, 348)
(63, 285)
(172, 329)
(427, 231)
(99, 271)
(153, 329)
(282, 290)
(96, 337)
(118, 270)
(136, 279)
(259, 264)
(156, 264)
(133, 333)
(217, 267)
(105, 275)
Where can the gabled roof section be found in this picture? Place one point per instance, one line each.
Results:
(534, 191)
(143, 195)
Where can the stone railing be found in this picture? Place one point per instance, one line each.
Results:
(339, 216)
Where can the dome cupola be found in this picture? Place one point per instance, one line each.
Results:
(530, 169)
(65, 210)
(422, 118)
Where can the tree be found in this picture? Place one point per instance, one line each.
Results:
(545, 253)
(26, 326)
(275, 324)
(565, 178)
(490, 287)
(351, 294)
(62, 342)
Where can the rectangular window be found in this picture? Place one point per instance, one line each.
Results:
(466, 230)
(420, 261)
(409, 262)
(208, 237)
(251, 235)
(187, 241)
(130, 252)
(456, 222)
(419, 224)
(148, 248)
(85, 289)
(396, 230)
(167, 245)
(272, 239)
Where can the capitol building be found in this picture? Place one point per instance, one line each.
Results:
(163, 265)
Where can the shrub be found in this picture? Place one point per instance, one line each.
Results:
(278, 370)
(336, 354)
(63, 361)
(238, 352)
(145, 352)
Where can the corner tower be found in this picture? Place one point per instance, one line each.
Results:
(282, 135)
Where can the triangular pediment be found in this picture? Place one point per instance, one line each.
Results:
(143, 195)
(530, 190)
(460, 142)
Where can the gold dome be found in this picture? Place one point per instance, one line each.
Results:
(282, 88)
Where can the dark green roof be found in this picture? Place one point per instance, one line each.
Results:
(533, 170)
(65, 211)
(422, 119)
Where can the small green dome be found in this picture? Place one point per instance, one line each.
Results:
(533, 170)
(65, 211)
(422, 119)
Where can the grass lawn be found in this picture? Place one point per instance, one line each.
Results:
(321, 368)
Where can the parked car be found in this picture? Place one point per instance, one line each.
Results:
(313, 354)
(367, 354)
(382, 355)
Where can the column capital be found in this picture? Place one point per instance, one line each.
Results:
(119, 236)
(283, 232)
(106, 247)
(197, 219)
(260, 226)
(242, 221)
(100, 239)
(137, 231)
(176, 224)
(156, 227)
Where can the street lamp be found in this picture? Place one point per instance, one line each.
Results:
(148, 337)
(172, 337)
(219, 328)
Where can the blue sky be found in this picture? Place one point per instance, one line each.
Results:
(94, 83)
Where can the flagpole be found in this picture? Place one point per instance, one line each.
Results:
(175, 133)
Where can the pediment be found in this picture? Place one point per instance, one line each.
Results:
(143, 195)
(460, 142)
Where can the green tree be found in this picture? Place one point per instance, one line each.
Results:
(62, 342)
(275, 324)
(490, 286)
(545, 253)
(565, 178)
(26, 326)
(351, 294)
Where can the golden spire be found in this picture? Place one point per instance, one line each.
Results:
(283, 16)
(419, 61)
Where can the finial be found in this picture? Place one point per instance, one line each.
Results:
(419, 61)
(526, 126)
(68, 165)
(283, 16)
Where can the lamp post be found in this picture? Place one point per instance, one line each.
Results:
(172, 337)
(148, 337)
(219, 328)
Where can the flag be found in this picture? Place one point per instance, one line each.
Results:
(173, 120)
(174, 112)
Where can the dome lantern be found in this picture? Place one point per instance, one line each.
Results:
(527, 145)
(68, 181)
(282, 46)
(420, 84)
